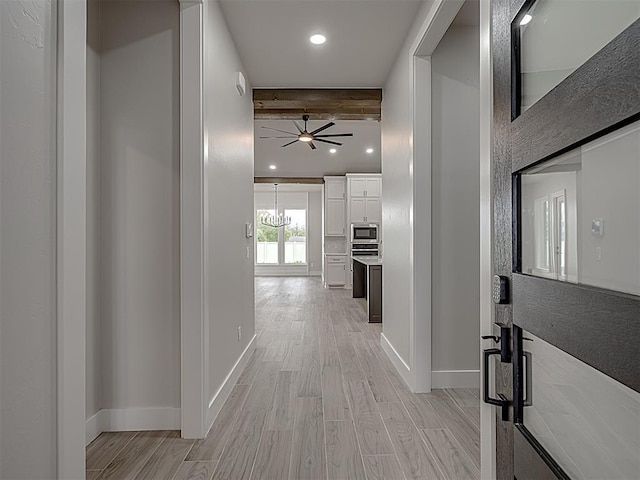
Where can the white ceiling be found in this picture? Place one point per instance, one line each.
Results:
(298, 160)
(363, 40)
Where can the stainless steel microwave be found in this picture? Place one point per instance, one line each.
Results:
(364, 233)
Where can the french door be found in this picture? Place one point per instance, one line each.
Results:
(566, 183)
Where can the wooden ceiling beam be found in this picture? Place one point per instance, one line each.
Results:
(319, 104)
(283, 180)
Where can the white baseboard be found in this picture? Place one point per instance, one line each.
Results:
(455, 379)
(397, 361)
(315, 273)
(132, 419)
(217, 401)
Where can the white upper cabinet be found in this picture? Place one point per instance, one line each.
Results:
(365, 186)
(334, 188)
(335, 210)
(357, 187)
(364, 198)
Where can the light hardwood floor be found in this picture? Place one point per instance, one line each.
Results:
(318, 400)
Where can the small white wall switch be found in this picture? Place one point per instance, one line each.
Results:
(597, 227)
(241, 83)
(248, 230)
(248, 252)
(239, 333)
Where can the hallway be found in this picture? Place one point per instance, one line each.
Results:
(318, 399)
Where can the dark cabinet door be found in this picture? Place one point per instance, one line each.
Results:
(555, 307)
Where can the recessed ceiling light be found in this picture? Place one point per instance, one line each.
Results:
(272, 167)
(332, 150)
(526, 19)
(369, 150)
(317, 39)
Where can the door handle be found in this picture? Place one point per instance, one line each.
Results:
(502, 401)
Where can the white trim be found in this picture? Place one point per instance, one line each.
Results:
(281, 270)
(421, 257)
(315, 273)
(218, 399)
(194, 331)
(132, 419)
(94, 426)
(71, 226)
(455, 378)
(487, 413)
(397, 361)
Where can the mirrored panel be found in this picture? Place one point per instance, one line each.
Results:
(588, 422)
(580, 214)
(555, 37)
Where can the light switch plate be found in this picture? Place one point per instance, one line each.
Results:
(597, 227)
(248, 230)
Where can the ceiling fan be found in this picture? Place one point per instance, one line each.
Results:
(307, 137)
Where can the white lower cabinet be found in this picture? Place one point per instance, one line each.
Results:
(335, 270)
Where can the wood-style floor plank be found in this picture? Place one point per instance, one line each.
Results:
(166, 459)
(463, 429)
(131, 459)
(237, 458)
(343, 455)
(93, 474)
(334, 394)
(372, 434)
(449, 456)
(195, 471)
(382, 467)
(415, 458)
(274, 456)
(210, 448)
(283, 410)
(102, 450)
(308, 458)
(464, 397)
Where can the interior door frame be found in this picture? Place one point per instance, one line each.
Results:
(599, 97)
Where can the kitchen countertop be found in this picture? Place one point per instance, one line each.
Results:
(369, 261)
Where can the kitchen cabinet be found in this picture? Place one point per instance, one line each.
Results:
(364, 193)
(365, 210)
(335, 270)
(365, 186)
(335, 206)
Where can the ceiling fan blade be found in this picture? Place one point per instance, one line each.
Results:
(281, 131)
(290, 143)
(313, 147)
(324, 127)
(280, 137)
(334, 135)
(298, 126)
(326, 141)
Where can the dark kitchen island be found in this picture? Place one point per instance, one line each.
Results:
(367, 283)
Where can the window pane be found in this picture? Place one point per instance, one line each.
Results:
(266, 240)
(295, 237)
(558, 36)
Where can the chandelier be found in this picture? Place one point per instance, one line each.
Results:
(278, 220)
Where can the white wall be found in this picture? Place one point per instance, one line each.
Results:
(397, 165)
(93, 350)
(455, 249)
(27, 241)
(228, 133)
(139, 204)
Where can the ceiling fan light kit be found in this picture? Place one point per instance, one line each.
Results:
(307, 137)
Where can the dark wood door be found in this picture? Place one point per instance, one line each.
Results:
(597, 326)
